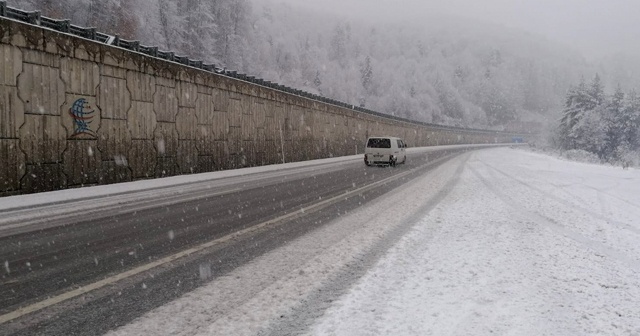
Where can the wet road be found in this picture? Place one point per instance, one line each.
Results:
(85, 273)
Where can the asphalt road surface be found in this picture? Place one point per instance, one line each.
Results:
(80, 272)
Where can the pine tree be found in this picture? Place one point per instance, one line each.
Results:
(596, 93)
(630, 121)
(166, 9)
(338, 49)
(590, 133)
(366, 72)
(576, 104)
(318, 82)
(614, 123)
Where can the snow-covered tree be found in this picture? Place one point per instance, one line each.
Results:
(630, 121)
(366, 72)
(338, 50)
(613, 117)
(606, 126)
(590, 132)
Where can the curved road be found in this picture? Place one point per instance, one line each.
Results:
(76, 268)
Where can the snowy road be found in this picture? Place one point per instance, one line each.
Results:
(83, 261)
(496, 242)
(499, 241)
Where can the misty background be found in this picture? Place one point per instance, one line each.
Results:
(596, 28)
(496, 64)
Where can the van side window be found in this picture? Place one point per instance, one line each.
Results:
(400, 145)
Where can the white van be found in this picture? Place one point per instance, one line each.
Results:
(385, 150)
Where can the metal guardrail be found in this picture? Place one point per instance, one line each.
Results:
(65, 26)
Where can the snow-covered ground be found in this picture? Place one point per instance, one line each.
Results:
(524, 245)
(497, 242)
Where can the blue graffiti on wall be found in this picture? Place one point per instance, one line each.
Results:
(81, 113)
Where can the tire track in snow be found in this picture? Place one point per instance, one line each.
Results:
(619, 224)
(303, 316)
(552, 224)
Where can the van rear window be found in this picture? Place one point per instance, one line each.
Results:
(379, 143)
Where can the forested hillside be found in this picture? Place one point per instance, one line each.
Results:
(441, 70)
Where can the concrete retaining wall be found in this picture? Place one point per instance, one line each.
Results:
(74, 112)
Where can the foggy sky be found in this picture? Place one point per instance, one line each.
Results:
(594, 27)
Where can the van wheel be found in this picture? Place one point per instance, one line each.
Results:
(392, 163)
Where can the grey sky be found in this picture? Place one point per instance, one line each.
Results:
(596, 27)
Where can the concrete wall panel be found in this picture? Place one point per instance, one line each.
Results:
(82, 162)
(114, 139)
(205, 139)
(142, 158)
(188, 94)
(112, 71)
(186, 123)
(165, 103)
(235, 112)
(13, 167)
(10, 65)
(167, 166)
(142, 121)
(11, 112)
(187, 156)
(114, 99)
(41, 89)
(42, 139)
(114, 171)
(40, 58)
(205, 109)
(166, 138)
(80, 77)
(44, 177)
(141, 86)
(249, 127)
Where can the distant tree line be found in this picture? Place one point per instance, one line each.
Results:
(605, 125)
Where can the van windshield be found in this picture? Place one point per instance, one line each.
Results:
(379, 143)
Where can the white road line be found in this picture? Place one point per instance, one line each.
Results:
(113, 279)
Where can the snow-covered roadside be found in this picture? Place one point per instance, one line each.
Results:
(525, 244)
